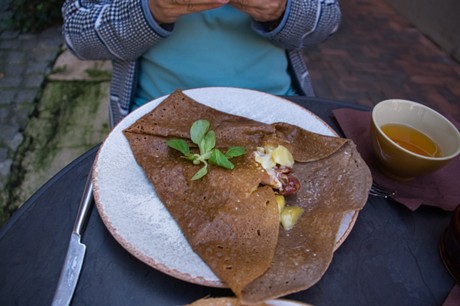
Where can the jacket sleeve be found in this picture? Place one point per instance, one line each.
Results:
(110, 29)
(305, 23)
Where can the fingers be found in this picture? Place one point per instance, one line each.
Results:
(168, 11)
(197, 5)
(261, 10)
(198, 2)
(193, 7)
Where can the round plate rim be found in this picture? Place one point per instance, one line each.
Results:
(133, 249)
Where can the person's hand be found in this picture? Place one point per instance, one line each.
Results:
(261, 10)
(168, 11)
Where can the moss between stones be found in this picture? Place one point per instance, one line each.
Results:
(70, 118)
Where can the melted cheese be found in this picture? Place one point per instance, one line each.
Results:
(270, 157)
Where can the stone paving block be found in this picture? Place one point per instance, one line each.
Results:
(11, 70)
(426, 80)
(4, 113)
(20, 114)
(10, 44)
(52, 36)
(3, 57)
(10, 82)
(8, 132)
(27, 43)
(374, 97)
(27, 36)
(34, 67)
(17, 57)
(3, 153)
(6, 95)
(43, 55)
(50, 47)
(8, 35)
(15, 141)
(33, 80)
(339, 69)
(26, 95)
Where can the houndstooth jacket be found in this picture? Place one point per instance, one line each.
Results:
(123, 30)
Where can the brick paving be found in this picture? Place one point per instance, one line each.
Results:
(377, 54)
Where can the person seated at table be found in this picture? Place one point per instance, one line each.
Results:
(157, 46)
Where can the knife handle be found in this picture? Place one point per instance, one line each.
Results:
(85, 205)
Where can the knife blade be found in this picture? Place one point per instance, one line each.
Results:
(76, 250)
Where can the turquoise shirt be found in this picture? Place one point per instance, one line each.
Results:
(213, 48)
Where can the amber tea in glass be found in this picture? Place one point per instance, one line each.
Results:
(411, 139)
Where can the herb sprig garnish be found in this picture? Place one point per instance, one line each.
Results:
(205, 139)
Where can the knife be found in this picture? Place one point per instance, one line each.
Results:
(76, 251)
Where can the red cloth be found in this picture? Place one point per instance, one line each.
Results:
(441, 188)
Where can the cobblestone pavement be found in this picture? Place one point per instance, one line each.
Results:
(25, 61)
(375, 55)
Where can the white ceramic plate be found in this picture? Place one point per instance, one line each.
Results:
(130, 208)
(285, 303)
(278, 302)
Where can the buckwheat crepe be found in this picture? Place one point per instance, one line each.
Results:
(231, 301)
(229, 218)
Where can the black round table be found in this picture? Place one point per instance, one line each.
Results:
(391, 256)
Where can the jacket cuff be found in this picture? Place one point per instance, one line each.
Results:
(163, 31)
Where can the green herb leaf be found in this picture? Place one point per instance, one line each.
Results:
(179, 145)
(191, 157)
(219, 159)
(209, 141)
(235, 151)
(206, 155)
(198, 130)
(202, 172)
(206, 141)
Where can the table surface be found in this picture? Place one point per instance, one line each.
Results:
(391, 256)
